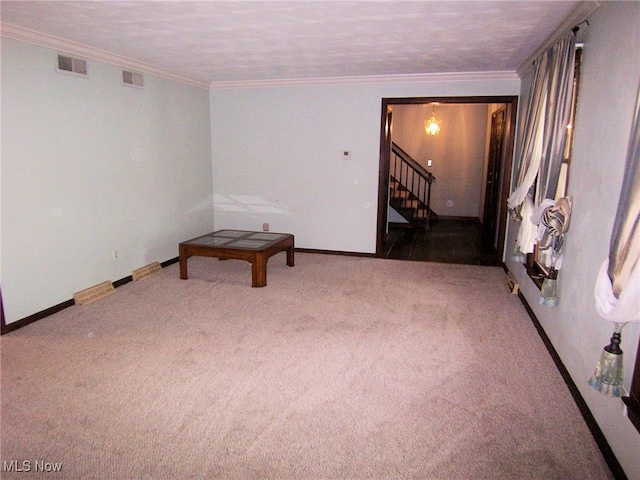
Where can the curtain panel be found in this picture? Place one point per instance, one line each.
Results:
(541, 151)
(617, 290)
(528, 156)
(557, 115)
(625, 237)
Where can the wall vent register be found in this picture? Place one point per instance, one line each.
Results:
(132, 79)
(72, 65)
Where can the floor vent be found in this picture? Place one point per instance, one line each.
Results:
(512, 283)
(72, 65)
(146, 271)
(93, 293)
(132, 78)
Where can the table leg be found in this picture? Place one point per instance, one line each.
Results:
(290, 259)
(183, 265)
(259, 270)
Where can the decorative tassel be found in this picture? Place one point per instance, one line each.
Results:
(517, 256)
(607, 378)
(548, 290)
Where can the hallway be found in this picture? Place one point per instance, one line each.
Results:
(452, 240)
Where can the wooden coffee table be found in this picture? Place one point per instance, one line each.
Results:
(254, 247)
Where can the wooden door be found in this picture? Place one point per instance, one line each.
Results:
(492, 182)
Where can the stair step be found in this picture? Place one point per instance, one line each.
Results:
(401, 194)
(411, 203)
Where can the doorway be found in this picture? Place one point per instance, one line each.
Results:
(492, 219)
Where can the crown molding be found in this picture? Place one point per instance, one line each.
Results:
(15, 32)
(578, 15)
(410, 78)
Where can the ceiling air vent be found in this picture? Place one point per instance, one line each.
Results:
(132, 78)
(72, 65)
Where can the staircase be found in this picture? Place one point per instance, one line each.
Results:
(410, 188)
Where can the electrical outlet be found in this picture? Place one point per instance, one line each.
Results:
(115, 254)
(265, 227)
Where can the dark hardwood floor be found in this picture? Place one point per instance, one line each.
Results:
(450, 240)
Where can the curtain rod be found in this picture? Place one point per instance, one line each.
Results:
(575, 18)
(577, 27)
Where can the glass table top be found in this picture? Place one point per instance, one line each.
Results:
(238, 239)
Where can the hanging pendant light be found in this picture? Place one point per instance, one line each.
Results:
(432, 126)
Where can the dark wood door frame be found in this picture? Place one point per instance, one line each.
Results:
(383, 172)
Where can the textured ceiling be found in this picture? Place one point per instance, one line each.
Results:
(240, 41)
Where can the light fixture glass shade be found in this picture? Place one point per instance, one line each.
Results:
(432, 126)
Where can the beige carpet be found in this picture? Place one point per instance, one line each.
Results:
(341, 367)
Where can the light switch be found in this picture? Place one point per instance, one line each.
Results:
(428, 163)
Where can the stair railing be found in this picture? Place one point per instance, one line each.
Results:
(412, 176)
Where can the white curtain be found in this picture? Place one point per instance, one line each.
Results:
(540, 153)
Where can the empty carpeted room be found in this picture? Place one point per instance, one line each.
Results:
(292, 346)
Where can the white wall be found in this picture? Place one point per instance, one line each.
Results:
(90, 166)
(276, 156)
(608, 86)
(458, 152)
